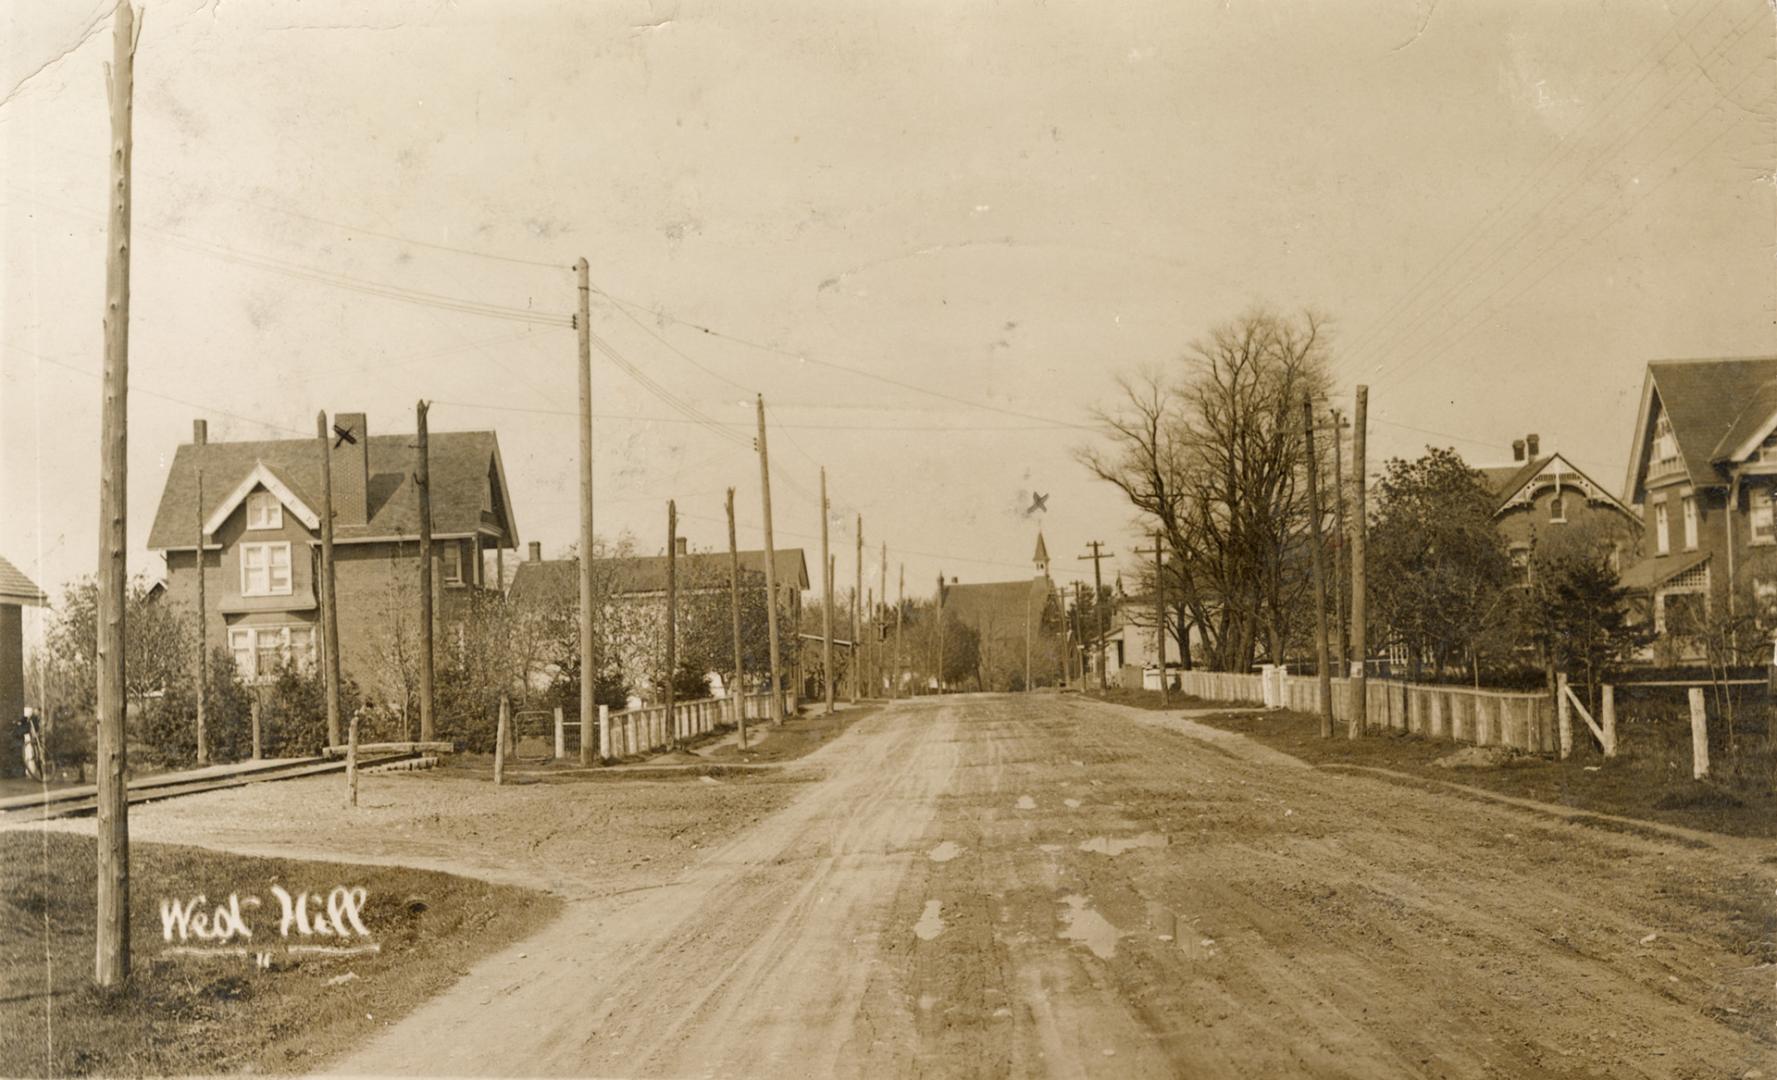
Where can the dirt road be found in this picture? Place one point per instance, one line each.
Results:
(1010, 886)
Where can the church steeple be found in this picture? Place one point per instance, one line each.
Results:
(1041, 557)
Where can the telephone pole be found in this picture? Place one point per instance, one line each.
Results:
(1319, 570)
(1344, 635)
(422, 482)
(329, 596)
(881, 633)
(1359, 601)
(940, 631)
(588, 677)
(1159, 554)
(738, 689)
(900, 605)
(672, 617)
(857, 597)
(777, 711)
(111, 954)
(203, 633)
(1097, 556)
(826, 600)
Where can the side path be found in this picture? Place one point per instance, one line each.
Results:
(621, 987)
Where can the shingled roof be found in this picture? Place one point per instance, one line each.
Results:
(459, 461)
(17, 590)
(1715, 405)
(540, 581)
(1000, 606)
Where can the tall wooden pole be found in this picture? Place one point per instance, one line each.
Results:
(112, 940)
(738, 688)
(1343, 637)
(857, 629)
(672, 617)
(422, 482)
(826, 602)
(881, 619)
(940, 631)
(1097, 557)
(329, 596)
(588, 676)
(203, 635)
(1360, 639)
(1160, 614)
(900, 606)
(1320, 575)
(832, 579)
(777, 709)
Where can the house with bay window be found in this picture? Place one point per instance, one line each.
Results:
(1703, 476)
(259, 518)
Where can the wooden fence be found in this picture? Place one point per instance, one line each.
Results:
(1482, 717)
(641, 731)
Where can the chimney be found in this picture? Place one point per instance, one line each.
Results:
(350, 439)
(200, 432)
(953, 579)
(1530, 444)
(1517, 449)
(536, 551)
(681, 545)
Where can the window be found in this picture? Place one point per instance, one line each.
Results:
(1665, 448)
(1558, 509)
(1764, 522)
(1662, 536)
(1690, 523)
(259, 651)
(265, 569)
(264, 511)
(1521, 563)
(1764, 592)
(453, 563)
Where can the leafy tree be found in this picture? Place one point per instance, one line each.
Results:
(1576, 612)
(157, 655)
(1438, 567)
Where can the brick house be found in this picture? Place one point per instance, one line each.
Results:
(262, 537)
(1541, 496)
(1703, 475)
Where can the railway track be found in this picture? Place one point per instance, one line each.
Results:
(83, 800)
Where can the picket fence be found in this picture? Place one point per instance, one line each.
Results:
(644, 730)
(1481, 717)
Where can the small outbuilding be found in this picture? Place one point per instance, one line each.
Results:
(16, 593)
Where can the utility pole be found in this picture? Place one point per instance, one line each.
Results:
(1027, 642)
(1319, 570)
(832, 579)
(826, 601)
(1359, 601)
(329, 596)
(881, 634)
(111, 959)
(940, 631)
(1159, 554)
(672, 617)
(588, 676)
(777, 712)
(1097, 556)
(738, 688)
(203, 633)
(422, 482)
(1344, 635)
(900, 605)
(857, 597)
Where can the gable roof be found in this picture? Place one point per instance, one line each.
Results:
(261, 475)
(999, 605)
(459, 462)
(17, 590)
(1508, 480)
(541, 581)
(1714, 405)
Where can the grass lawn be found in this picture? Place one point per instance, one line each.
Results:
(220, 1012)
(1149, 699)
(1649, 780)
(795, 737)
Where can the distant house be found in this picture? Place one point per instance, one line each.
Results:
(632, 599)
(1010, 616)
(261, 522)
(17, 592)
(1540, 495)
(1703, 474)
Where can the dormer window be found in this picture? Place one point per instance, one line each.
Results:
(264, 511)
(1665, 451)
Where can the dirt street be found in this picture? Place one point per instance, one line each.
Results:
(1032, 886)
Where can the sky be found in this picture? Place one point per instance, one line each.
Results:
(930, 234)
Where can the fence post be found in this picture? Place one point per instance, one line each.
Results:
(604, 731)
(1608, 706)
(1563, 716)
(352, 758)
(561, 735)
(1699, 736)
(1482, 734)
(500, 743)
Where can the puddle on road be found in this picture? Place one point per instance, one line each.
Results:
(1089, 928)
(930, 925)
(1104, 845)
(1025, 802)
(945, 852)
(926, 1001)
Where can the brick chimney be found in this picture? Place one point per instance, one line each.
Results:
(681, 545)
(200, 432)
(350, 439)
(536, 551)
(1517, 449)
(1530, 444)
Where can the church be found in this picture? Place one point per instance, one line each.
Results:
(1019, 626)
